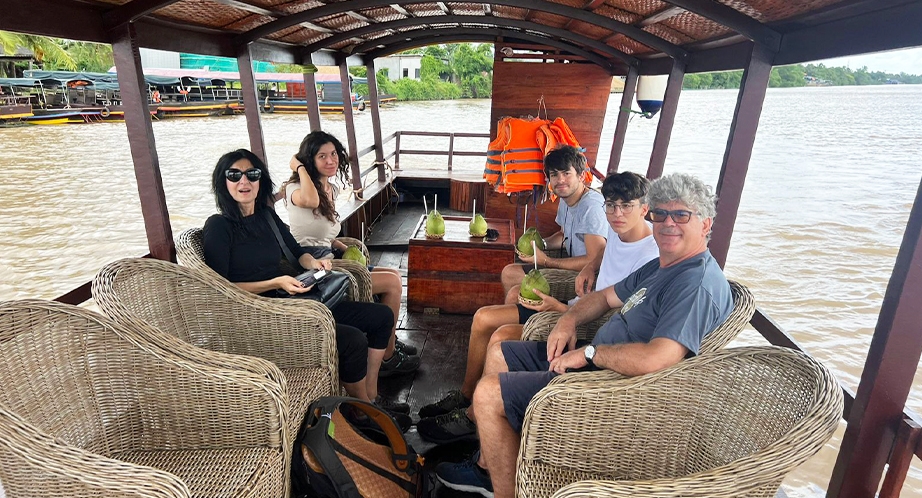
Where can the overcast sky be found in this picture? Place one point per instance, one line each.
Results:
(896, 61)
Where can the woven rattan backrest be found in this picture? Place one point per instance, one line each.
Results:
(188, 303)
(743, 308)
(190, 249)
(772, 405)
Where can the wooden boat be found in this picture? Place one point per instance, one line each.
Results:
(551, 45)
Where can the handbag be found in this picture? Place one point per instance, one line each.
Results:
(329, 290)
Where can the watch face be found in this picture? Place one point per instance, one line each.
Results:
(590, 352)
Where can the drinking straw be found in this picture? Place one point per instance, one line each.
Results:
(435, 203)
(525, 220)
(534, 251)
(363, 233)
(474, 213)
(425, 207)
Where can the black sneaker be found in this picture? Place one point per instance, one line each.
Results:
(465, 476)
(392, 406)
(398, 364)
(406, 348)
(448, 428)
(452, 401)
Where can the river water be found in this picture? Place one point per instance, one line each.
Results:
(833, 175)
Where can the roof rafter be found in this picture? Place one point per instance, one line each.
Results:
(492, 21)
(667, 13)
(638, 34)
(733, 19)
(590, 6)
(425, 36)
(133, 10)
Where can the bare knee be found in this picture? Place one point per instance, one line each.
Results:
(487, 397)
(496, 362)
(507, 333)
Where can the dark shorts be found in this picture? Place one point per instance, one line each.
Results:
(525, 314)
(528, 373)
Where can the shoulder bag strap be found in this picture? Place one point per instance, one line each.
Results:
(278, 236)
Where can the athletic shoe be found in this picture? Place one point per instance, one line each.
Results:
(448, 428)
(399, 363)
(465, 476)
(452, 401)
(406, 348)
(392, 406)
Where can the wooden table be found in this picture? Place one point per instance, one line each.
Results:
(458, 273)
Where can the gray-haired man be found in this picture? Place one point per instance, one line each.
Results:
(667, 307)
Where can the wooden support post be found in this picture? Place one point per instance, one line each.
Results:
(888, 373)
(451, 149)
(375, 118)
(251, 102)
(901, 456)
(141, 142)
(739, 149)
(350, 124)
(313, 102)
(397, 150)
(624, 115)
(666, 120)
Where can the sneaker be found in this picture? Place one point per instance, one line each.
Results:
(448, 428)
(403, 420)
(371, 429)
(452, 401)
(399, 363)
(392, 406)
(465, 476)
(406, 348)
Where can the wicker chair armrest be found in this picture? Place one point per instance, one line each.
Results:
(201, 405)
(360, 277)
(599, 376)
(36, 461)
(539, 326)
(349, 241)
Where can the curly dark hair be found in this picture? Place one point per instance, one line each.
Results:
(307, 151)
(564, 157)
(223, 199)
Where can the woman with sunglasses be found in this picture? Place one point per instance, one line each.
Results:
(241, 246)
(315, 223)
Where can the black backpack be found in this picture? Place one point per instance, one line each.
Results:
(347, 448)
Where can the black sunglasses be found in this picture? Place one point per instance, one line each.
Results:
(235, 175)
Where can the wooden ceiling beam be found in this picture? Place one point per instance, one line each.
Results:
(132, 11)
(638, 34)
(563, 34)
(409, 39)
(733, 19)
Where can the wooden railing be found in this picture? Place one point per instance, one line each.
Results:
(451, 152)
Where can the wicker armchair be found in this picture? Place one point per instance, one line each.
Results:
(540, 325)
(89, 408)
(730, 423)
(190, 249)
(207, 311)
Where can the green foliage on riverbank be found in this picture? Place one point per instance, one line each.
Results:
(53, 54)
(451, 71)
(802, 75)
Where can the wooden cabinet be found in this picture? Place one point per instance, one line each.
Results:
(458, 273)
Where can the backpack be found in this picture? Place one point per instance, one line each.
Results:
(347, 448)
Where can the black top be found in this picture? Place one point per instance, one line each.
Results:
(248, 251)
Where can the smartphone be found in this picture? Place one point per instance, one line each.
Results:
(311, 277)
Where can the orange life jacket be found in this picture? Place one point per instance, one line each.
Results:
(515, 161)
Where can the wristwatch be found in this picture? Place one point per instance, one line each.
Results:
(589, 352)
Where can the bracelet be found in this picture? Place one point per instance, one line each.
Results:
(301, 166)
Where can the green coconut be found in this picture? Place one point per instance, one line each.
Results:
(435, 225)
(533, 281)
(524, 244)
(478, 227)
(355, 254)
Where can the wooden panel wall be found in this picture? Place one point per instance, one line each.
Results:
(578, 93)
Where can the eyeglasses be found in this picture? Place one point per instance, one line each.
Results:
(234, 175)
(680, 216)
(613, 207)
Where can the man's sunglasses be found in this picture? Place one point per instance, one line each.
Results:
(235, 175)
(680, 216)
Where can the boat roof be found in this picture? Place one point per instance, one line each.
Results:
(706, 35)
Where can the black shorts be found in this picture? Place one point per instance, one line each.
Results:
(524, 313)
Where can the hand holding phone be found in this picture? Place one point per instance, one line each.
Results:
(311, 277)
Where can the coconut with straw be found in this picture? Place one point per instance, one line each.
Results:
(478, 226)
(435, 224)
(532, 282)
(529, 239)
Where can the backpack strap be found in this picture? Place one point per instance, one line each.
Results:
(317, 441)
(278, 236)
